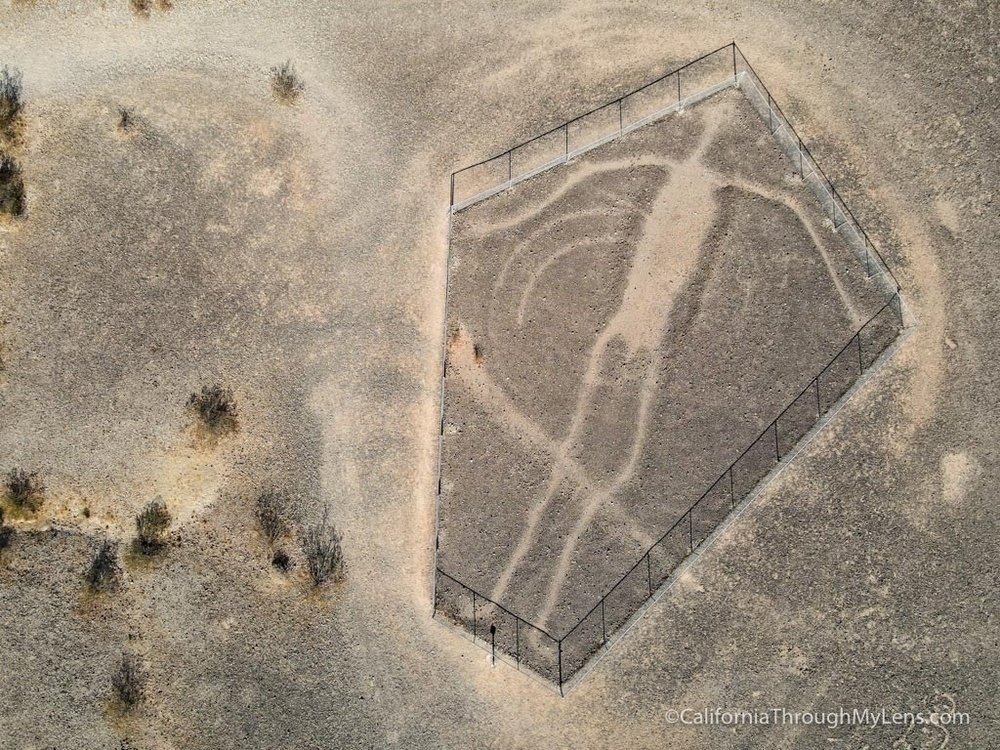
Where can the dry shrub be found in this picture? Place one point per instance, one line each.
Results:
(270, 514)
(24, 489)
(151, 527)
(126, 119)
(285, 82)
(5, 532)
(216, 408)
(324, 553)
(11, 103)
(144, 8)
(128, 682)
(281, 561)
(11, 187)
(105, 573)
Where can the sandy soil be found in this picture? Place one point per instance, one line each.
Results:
(866, 577)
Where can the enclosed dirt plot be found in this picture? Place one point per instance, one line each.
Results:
(621, 329)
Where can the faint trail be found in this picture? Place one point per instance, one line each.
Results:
(673, 233)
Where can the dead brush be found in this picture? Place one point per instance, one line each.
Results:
(126, 119)
(324, 553)
(11, 188)
(128, 683)
(105, 573)
(216, 407)
(285, 82)
(271, 504)
(151, 527)
(24, 489)
(11, 104)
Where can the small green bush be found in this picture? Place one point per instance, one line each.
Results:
(285, 82)
(151, 527)
(24, 489)
(324, 553)
(216, 408)
(128, 682)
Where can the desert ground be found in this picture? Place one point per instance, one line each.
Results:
(297, 254)
(620, 330)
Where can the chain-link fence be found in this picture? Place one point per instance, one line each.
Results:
(557, 659)
(514, 638)
(681, 87)
(844, 220)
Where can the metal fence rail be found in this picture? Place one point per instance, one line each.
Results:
(680, 87)
(514, 638)
(697, 523)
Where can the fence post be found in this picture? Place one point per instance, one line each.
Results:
(868, 258)
(819, 410)
(801, 173)
(517, 641)
(777, 451)
(861, 361)
(649, 574)
(559, 643)
(604, 626)
(434, 612)
(899, 309)
(621, 121)
(734, 60)
(678, 87)
(452, 190)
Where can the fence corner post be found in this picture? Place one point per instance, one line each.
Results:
(649, 574)
(559, 643)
